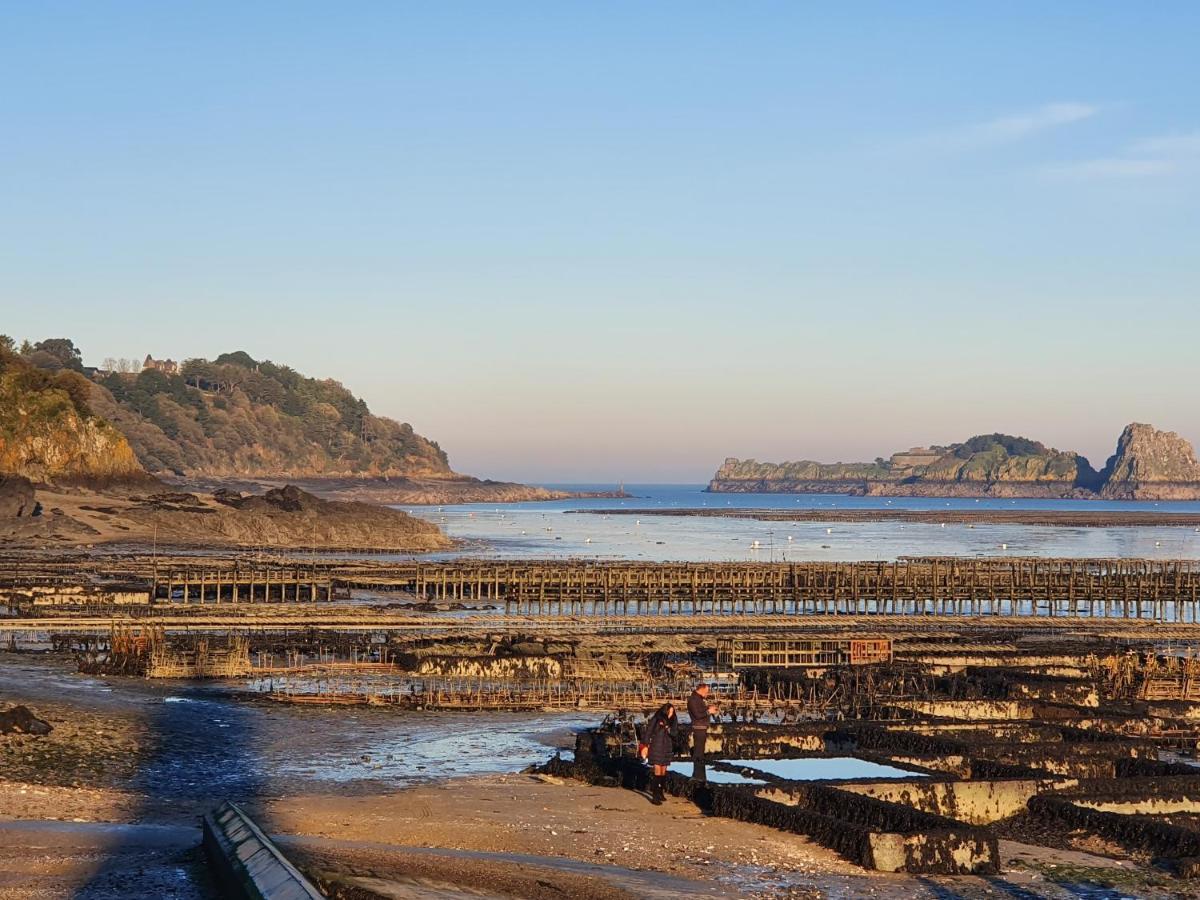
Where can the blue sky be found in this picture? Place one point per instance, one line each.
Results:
(601, 241)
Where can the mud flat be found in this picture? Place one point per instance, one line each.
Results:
(1053, 517)
(414, 491)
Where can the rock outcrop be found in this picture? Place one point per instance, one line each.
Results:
(1149, 464)
(20, 720)
(48, 432)
(282, 517)
(17, 497)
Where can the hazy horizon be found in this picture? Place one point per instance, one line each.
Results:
(584, 244)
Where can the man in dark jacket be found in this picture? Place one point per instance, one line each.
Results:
(699, 710)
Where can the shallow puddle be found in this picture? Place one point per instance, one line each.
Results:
(716, 776)
(837, 768)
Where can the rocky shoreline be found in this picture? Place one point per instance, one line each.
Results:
(400, 491)
(285, 517)
(1148, 464)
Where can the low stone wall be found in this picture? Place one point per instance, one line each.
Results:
(758, 741)
(1145, 767)
(1145, 795)
(973, 802)
(1072, 760)
(903, 839)
(873, 833)
(1134, 832)
(972, 710)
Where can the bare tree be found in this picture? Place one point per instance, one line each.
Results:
(109, 364)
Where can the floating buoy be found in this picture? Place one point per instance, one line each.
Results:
(1004, 546)
(829, 531)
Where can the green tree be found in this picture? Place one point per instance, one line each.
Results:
(62, 349)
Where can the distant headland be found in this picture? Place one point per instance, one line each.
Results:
(234, 421)
(1148, 464)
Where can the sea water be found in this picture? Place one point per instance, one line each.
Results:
(553, 529)
(822, 768)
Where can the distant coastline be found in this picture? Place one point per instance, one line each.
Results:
(1148, 464)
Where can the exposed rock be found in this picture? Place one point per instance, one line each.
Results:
(44, 436)
(1151, 465)
(17, 497)
(430, 491)
(19, 720)
(284, 517)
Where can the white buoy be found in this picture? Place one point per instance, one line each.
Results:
(789, 537)
(829, 531)
(1004, 546)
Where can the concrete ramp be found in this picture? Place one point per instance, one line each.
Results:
(247, 863)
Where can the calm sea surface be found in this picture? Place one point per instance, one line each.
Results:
(544, 530)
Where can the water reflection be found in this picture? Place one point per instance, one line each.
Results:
(546, 530)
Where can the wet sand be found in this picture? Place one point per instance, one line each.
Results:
(165, 753)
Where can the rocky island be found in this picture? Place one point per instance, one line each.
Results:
(1148, 464)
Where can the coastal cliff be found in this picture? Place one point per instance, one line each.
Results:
(201, 425)
(1148, 464)
(48, 431)
(1151, 465)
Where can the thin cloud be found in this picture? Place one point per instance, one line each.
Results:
(1151, 157)
(1171, 145)
(1006, 129)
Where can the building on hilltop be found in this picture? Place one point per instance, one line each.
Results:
(166, 366)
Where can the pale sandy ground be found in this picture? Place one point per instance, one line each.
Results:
(488, 834)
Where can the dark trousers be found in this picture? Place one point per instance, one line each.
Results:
(699, 739)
